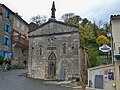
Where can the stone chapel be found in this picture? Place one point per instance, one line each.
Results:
(54, 50)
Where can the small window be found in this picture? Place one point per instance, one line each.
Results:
(40, 50)
(6, 41)
(18, 23)
(7, 28)
(8, 15)
(1, 15)
(119, 49)
(23, 27)
(64, 48)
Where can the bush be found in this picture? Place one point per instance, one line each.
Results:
(1, 59)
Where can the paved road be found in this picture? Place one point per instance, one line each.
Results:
(12, 80)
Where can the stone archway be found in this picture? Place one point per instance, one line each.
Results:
(52, 66)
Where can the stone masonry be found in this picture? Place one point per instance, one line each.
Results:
(52, 37)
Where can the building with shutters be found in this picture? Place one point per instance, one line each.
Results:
(19, 40)
(6, 20)
(13, 36)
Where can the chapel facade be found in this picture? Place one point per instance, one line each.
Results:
(54, 50)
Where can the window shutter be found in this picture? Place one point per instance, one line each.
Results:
(4, 40)
(8, 42)
(9, 55)
(5, 27)
(10, 16)
(2, 53)
(6, 14)
(10, 29)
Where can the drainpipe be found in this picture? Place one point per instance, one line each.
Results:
(112, 50)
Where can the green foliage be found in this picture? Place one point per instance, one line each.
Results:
(84, 22)
(71, 18)
(1, 59)
(67, 16)
(86, 34)
(93, 54)
(102, 40)
(89, 32)
(74, 20)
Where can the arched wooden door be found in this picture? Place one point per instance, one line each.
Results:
(52, 66)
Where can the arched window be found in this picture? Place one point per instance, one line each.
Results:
(52, 56)
(64, 48)
(40, 50)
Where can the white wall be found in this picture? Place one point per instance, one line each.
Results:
(100, 70)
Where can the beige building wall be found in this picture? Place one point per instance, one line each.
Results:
(20, 32)
(19, 29)
(115, 29)
(117, 71)
(101, 70)
(116, 35)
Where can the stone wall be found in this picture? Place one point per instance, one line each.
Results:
(20, 55)
(38, 64)
(83, 63)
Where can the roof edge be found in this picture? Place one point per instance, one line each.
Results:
(3, 5)
(55, 21)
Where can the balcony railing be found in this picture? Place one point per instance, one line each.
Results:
(19, 38)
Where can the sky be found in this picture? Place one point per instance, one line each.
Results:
(93, 10)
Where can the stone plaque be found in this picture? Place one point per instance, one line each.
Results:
(51, 48)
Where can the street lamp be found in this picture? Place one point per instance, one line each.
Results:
(109, 35)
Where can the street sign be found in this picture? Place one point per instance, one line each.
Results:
(105, 48)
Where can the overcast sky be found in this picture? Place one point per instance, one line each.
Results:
(94, 10)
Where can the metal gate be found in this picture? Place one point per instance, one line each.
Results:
(99, 81)
(52, 66)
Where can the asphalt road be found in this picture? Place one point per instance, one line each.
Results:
(12, 80)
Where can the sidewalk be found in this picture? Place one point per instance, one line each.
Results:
(65, 83)
(80, 88)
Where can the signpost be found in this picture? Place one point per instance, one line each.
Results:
(105, 48)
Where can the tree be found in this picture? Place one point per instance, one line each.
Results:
(74, 20)
(93, 55)
(102, 40)
(39, 19)
(67, 16)
(86, 34)
(84, 22)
